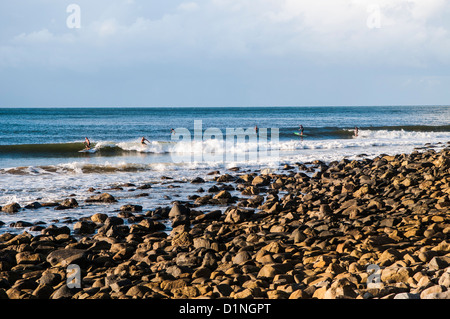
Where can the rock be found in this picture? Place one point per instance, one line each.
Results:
(438, 263)
(299, 294)
(406, 295)
(28, 257)
(53, 230)
(270, 270)
(21, 224)
(261, 181)
(445, 279)
(117, 283)
(178, 209)
(138, 291)
(222, 194)
(251, 190)
(244, 294)
(183, 239)
(113, 221)
(131, 208)
(394, 274)
(441, 295)
(436, 289)
(67, 204)
(43, 291)
(65, 257)
(236, 215)
(224, 178)
(362, 191)
(277, 294)
(99, 218)
(63, 292)
(197, 180)
(50, 279)
(33, 205)
(224, 290)
(242, 257)
(103, 198)
(84, 227)
(11, 208)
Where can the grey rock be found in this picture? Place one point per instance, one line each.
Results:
(407, 295)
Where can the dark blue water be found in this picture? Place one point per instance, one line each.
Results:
(62, 125)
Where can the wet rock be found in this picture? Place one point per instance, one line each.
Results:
(84, 227)
(179, 209)
(197, 180)
(67, 204)
(102, 198)
(11, 208)
(131, 208)
(33, 205)
(222, 194)
(261, 180)
(99, 218)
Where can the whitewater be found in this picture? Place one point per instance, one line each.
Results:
(41, 162)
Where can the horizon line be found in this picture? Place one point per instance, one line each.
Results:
(230, 106)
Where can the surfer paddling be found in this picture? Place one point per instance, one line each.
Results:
(144, 140)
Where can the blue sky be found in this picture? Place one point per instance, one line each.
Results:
(225, 53)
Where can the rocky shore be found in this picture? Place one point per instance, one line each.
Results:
(372, 228)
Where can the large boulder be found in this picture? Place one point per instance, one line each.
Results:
(65, 257)
(11, 208)
(178, 210)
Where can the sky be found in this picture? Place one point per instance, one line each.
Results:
(224, 53)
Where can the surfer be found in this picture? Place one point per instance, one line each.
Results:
(172, 131)
(356, 131)
(301, 130)
(87, 143)
(143, 140)
(256, 129)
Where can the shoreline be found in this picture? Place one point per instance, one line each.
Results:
(294, 235)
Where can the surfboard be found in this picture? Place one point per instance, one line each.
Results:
(91, 150)
(298, 133)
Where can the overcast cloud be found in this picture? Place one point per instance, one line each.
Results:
(225, 53)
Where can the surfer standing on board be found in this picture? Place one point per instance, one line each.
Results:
(356, 131)
(87, 143)
(143, 140)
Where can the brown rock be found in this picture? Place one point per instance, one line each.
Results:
(104, 198)
(28, 257)
(11, 208)
(99, 218)
(183, 239)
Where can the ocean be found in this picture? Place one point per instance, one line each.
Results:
(41, 158)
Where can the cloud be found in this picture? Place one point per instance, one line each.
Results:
(256, 48)
(411, 32)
